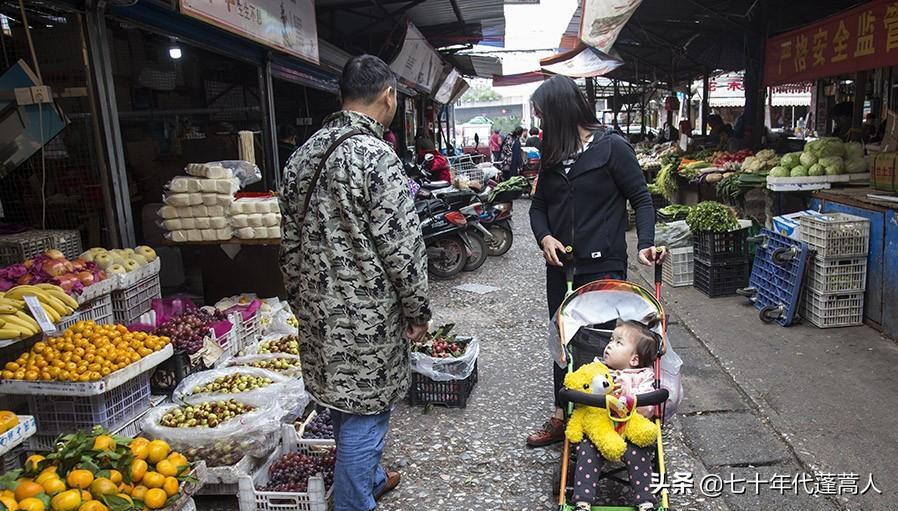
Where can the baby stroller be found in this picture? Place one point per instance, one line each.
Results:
(584, 322)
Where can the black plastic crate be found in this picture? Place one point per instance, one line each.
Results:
(169, 374)
(453, 393)
(720, 279)
(711, 247)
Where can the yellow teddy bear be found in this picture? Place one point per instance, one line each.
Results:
(595, 378)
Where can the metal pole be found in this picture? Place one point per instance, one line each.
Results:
(706, 106)
(269, 129)
(857, 114)
(122, 229)
(591, 92)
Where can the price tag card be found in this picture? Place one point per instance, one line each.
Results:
(40, 315)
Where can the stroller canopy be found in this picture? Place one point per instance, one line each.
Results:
(600, 302)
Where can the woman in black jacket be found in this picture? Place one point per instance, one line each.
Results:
(588, 175)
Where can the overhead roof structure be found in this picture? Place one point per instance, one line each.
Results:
(682, 40)
(443, 22)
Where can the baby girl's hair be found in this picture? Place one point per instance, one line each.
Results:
(647, 342)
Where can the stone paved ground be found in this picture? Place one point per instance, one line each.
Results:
(733, 422)
(475, 458)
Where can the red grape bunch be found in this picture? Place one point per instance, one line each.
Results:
(291, 472)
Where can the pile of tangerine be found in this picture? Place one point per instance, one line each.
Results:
(84, 352)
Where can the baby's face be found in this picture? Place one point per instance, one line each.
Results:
(621, 350)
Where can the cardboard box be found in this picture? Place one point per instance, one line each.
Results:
(884, 175)
(789, 225)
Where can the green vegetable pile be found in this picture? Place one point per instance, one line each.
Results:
(711, 216)
(675, 210)
(517, 183)
(666, 181)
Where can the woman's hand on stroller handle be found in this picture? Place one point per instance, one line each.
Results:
(553, 250)
(652, 255)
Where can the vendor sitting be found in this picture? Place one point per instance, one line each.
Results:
(439, 166)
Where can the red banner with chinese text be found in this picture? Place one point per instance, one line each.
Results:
(865, 37)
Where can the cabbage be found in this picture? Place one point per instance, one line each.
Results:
(855, 166)
(790, 160)
(807, 159)
(829, 146)
(799, 171)
(834, 165)
(779, 171)
(854, 150)
(816, 170)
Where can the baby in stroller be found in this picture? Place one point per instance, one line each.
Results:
(630, 355)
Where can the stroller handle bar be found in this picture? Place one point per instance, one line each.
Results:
(655, 397)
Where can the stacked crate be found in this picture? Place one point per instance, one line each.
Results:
(837, 275)
(720, 262)
(679, 267)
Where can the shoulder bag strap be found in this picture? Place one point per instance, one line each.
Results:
(327, 154)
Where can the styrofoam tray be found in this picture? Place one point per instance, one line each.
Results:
(15, 436)
(92, 292)
(230, 474)
(111, 381)
(126, 280)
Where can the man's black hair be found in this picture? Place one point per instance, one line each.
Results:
(364, 78)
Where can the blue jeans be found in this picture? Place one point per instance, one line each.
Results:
(358, 474)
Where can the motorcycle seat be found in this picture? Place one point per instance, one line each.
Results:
(436, 185)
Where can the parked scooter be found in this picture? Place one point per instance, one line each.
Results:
(445, 236)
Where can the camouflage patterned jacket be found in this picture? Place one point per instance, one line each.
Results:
(356, 276)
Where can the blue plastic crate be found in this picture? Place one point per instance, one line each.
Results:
(776, 276)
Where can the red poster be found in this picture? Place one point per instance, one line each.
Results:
(865, 37)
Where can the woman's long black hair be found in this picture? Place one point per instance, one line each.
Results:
(563, 109)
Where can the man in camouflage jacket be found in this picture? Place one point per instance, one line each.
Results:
(354, 267)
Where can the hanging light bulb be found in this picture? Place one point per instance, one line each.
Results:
(174, 51)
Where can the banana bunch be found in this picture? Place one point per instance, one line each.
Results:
(15, 323)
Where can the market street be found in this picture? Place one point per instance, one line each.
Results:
(730, 422)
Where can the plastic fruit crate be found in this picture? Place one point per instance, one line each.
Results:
(711, 247)
(67, 242)
(452, 393)
(833, 310)
(247, 330)
(720, 279)
(678, 268)
(836, 235)
(13, 459)
(130, 303)
(15, 248)
(313, 443)
(253, 499)
(837, 275)
(224, 480)
(98, 310)
(63, 414)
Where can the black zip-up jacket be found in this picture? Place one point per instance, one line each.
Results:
(595, 193)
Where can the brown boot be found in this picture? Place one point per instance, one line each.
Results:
(393, 478)
(552, 432)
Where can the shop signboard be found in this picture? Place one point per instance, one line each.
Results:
(444, 93)
(286, 25)
(417, 63)
(602, 21)
(865, 37)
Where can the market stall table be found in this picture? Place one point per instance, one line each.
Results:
(880, 307)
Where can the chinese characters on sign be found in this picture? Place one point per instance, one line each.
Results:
(417, 63)
(863, 38)
(286, 25)
(816, 484)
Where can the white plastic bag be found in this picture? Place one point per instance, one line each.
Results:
(254, 433)
(289, 392)
(446, 369)
(293, 368)
(671, 363)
